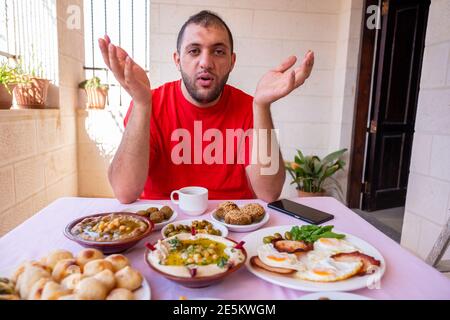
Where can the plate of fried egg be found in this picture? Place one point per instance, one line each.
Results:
(313, 258)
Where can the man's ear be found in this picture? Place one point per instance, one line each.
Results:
(233, 60)
(176, 60)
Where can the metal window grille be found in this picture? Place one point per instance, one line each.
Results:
(127, 23)
(28, 30)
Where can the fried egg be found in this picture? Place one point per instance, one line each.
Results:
(322, 268)
(333, 246)
(270, 256)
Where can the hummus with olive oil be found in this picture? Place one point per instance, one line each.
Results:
(171, 255)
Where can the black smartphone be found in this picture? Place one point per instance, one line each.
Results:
(300, 211)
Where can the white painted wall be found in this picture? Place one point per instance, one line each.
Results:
(428, 197)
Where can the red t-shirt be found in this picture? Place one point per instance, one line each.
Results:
(225, 177)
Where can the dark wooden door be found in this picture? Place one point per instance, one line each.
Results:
(394, 101)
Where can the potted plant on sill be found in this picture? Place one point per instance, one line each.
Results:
(96, 92)
(8, 80)
(311, 173)
(31, 89)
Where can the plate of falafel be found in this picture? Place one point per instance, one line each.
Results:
(159, 214)
(249, 217)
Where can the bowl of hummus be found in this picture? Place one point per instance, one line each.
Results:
(195, 260)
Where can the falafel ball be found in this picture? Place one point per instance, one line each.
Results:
(167, 211)
(228, 206)
(254, 210)
(220, 213)
(152, 209)
(237, 217)
(157, 217)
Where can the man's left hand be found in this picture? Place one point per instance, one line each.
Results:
(281, 81)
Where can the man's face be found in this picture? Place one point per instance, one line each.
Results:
(205, 60)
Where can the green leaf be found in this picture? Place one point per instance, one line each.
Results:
(300, 155)
(333, 156)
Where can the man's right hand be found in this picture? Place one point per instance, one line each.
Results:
(129, 74)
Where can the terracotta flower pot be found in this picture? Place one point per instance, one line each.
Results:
(5, 97)
(96, 98)
(32, 94)
(310, 194)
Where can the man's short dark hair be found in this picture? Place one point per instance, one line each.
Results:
(205, 19)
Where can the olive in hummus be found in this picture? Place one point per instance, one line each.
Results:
(111, 227)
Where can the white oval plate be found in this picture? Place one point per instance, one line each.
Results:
(188, 222)
(242, 228)
(255, 240)
(333, 296)
(139, 207)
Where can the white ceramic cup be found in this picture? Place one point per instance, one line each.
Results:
(192, 200)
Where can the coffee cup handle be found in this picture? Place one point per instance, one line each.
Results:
(172, 194)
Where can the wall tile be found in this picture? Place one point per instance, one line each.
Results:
(428, 236)
(299, 26)
(16, 215)
(421, 153)
(29, 177)
(17, 140)
(433, 111)
(411, 231)
(7, 195)
(428, 197)
(440, 157)
(60, 163)
(435, 59)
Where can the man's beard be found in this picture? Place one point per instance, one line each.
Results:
(203, 98)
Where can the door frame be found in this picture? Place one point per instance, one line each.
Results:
(366, 64)
(368, 73)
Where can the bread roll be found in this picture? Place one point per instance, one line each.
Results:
(37, 289)
(91, 289)
(19, 271)
(128, 278)
(93, 267)
(120, 294)
(65, 268)
(53, 290)
(107, 278)
(86, 255)
(29, 277)
(57, 255)
(118, 261)
(70, 282)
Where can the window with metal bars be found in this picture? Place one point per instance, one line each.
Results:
(28, 31)
(127, 23)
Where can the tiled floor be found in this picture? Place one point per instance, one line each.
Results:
(389, 221)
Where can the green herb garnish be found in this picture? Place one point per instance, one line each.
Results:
(174, 243)
(311, 233)
(222, 262)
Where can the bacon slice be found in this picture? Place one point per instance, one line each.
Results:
(291, 246)
(369, 262)
(256, 262)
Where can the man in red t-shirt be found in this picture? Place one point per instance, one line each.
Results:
(197, 131)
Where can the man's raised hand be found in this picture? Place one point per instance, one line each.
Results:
(128, 73)
(281, 81)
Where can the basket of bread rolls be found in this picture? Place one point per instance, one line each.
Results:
(89, 275)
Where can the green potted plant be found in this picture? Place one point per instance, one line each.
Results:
(96, 92)
(311, 173)
(8, 80)
(31, 89)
